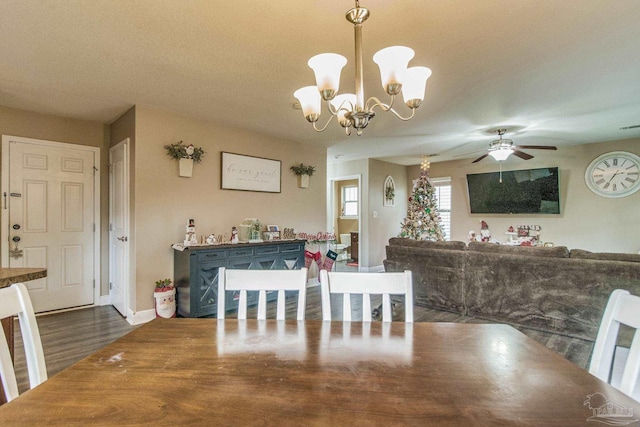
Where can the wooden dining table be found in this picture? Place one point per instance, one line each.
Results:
(234, 372)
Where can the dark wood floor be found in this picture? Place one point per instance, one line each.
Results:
(71, 336)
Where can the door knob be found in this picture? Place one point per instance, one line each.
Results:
(122, 238)
(16, 239)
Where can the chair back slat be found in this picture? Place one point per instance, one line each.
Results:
(622, 309)
(15, 301)
(262, 281)
(366, 284)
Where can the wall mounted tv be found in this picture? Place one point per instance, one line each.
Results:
(530, 191)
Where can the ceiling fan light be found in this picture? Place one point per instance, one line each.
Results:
(327, 68)
(393, 62)
(415, 83)
(343, 103)
(310, 102)
(501, 155)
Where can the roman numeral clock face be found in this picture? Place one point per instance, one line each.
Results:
(614, 174)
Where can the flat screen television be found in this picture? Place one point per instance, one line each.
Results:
(530, 191)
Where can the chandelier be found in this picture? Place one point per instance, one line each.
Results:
(351, 109)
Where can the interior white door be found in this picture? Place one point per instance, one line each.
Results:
(51, 221)
(119, 225)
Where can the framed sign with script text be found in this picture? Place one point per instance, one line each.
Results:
(248, 173)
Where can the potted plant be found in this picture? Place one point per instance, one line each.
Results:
(163, 285)
(303, 172)
(186, 156)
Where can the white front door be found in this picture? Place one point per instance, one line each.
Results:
(51, 220)
(119, 225)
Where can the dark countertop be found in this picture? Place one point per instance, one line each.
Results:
(180, 247)
(9, 276)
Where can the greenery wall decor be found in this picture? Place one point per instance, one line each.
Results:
(180, 151)
(303, 169)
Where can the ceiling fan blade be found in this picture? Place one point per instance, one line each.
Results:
(480, 158)
(536, 147)
(470, 152)
(522, 155)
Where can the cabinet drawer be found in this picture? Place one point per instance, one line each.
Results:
(290, 247)
(240, 252)
(211, 255)
(262, 250)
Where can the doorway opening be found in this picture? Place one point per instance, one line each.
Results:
(344, 219)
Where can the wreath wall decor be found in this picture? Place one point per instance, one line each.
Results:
(389, 191)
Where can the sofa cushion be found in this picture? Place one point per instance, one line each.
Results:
(528, 251)
(437, 268)
(428, 244)
(604, 256)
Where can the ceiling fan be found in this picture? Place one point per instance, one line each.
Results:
(500, 149)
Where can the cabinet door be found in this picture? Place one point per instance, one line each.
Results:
(204, 302)
(291, 256)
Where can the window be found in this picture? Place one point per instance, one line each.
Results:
(442, 187)
(350, 201)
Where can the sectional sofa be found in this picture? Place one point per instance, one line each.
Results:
(554, 290)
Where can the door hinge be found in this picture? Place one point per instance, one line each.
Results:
(94, 226)
(94, 283)
(110, 227)
(110, 286)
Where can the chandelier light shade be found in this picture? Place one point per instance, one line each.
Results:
(351, 109)
(327, 68)
(393, 62)
(414, 85)
(501, 153)
(310, 102)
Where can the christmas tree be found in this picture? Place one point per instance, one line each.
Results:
(423, 220)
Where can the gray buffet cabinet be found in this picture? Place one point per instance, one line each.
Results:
(195, 271)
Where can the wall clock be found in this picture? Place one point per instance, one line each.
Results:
(614, 174)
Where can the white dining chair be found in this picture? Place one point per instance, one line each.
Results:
(15, 301)
(622, 308)
(366, 284)
(262, 281)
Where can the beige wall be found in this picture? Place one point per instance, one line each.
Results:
(586, 221)
(164, 201)
(52, 128)
(386, 223)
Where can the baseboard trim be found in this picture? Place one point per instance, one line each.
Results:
(374, 269)
(140, 317)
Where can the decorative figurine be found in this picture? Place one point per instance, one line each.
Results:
(190, 238)
(484, 232)
(234, 235)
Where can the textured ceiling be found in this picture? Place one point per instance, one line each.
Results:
(553, 72)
